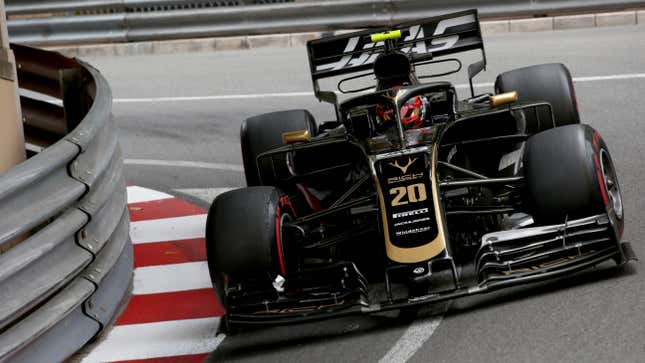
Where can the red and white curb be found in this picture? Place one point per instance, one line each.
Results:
(173, 314)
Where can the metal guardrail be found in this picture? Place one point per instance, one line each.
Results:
(62, 283)
(23, 7)
(122, 22)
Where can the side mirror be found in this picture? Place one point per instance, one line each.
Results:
(473, 70)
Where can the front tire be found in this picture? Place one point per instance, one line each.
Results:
(570, 175)
(243, 232)
(244, 238)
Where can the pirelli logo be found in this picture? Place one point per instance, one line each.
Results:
(410, 213)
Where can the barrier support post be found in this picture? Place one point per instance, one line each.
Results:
(12, 140)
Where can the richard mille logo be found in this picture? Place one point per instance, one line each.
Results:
(404, 169)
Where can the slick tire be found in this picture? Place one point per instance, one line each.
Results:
(545, 82)
(570, 175)
(261, 133)
(244, 237)
(244, 232)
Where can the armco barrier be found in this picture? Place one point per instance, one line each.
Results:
(63, 282)
(100, 21)
(101, 6)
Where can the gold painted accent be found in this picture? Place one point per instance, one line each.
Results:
(421, 253)
(296, 136)
(545, 264)
(503, 98)
(404, 169)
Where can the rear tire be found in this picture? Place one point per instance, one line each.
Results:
(570, 174)
(264, 132)
(545, 82)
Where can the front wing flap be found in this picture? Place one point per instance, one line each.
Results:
(572, 246)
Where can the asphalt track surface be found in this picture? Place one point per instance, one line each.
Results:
(181, 136)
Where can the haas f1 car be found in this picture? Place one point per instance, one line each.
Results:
(412, 196)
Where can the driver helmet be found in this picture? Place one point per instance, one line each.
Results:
(414, 113)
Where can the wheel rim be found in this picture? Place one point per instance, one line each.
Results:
(611, 183)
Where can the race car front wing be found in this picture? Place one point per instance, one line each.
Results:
(505, 259)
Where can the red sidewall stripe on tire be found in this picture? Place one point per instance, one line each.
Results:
(284, 202)
(278, 241)
(601, 181)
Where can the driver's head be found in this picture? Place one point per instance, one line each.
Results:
(414, 113)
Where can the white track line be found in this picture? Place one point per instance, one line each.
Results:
(185, 163)
(612, 77)
(162, 339)
(139, 194)
(171, 278)
(413, 338)
(168, 229)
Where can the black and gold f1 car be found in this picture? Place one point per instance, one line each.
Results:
(412, 196)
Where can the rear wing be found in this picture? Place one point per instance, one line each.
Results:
(421, 40)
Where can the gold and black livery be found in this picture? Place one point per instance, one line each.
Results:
(412, 224)
(414, 192)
